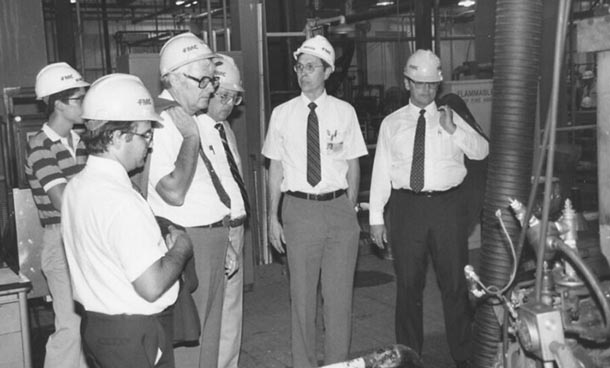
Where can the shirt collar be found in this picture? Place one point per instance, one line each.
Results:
(112, 169)
(319, 101)
(54, 137)
(411, 108)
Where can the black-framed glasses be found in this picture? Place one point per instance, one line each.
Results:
(227, 98)
(417, 84)
(76, 98)
(204, 81)
(147, 135)
(309, 68)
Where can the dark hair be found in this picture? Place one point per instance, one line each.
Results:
(97, 140)
(59, 96)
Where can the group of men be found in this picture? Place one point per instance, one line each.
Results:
(103, 244)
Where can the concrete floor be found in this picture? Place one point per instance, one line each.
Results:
(266, 335)
(267, 316)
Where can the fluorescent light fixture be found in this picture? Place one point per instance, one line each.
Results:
(194, 3)
(384, 3)
(467, 3)
(72, 1)
(188, 5)
(179, 2)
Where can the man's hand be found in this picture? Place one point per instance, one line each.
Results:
(176, 235)
(379, 235)
(184, 122)
(231, 264)
(276, 235)
(446, 119)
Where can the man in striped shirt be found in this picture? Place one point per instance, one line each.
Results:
(55, 155)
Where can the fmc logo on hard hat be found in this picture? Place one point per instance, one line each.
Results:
(326, 50)
(66, 77)
(144, 101)
(190, 48)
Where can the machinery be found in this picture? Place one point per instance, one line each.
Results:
(565, 320)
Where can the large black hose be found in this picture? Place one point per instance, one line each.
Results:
(518, 39)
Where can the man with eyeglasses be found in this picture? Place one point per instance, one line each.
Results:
(124, 273)
(54, 155)
(222, 103)
(418, 170)
(314, 143)
(190, 184)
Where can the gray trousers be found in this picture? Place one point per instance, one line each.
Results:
(322, 247)
(210, 249)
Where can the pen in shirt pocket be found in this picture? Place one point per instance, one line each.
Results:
(212, 149)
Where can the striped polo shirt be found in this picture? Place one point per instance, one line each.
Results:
(50, 162)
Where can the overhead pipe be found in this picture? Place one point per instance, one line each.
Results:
(518, 40)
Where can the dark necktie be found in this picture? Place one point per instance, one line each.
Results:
(233, 165)
(222, 194)
(419, 149)
(314, 174)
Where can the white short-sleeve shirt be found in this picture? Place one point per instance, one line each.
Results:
(340, 140)
(111, 237)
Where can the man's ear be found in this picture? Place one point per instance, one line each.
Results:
(58, 105)
(406, 82)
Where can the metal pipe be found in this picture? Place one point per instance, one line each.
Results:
(225, 25)
(209, 9)
(165, 10)
(106, 35)
(81, 52)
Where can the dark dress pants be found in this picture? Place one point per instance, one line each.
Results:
(128, 341)
(430, 225)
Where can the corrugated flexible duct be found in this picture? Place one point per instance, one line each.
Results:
(518, 38)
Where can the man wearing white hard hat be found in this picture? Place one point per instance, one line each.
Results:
(314, 143)
(54, 155)
(124, 273)
(191, 185)
(417, 171)
(222, 103)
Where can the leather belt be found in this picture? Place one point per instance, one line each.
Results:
(429, 193)
(318, 197)
(226, 222)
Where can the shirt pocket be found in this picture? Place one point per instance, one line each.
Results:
(333, 142)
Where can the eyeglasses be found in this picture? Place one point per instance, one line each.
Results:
(226, 98)
(423, 84)
(147, 135)
(77, 98)
(309, 68)
(204, 81)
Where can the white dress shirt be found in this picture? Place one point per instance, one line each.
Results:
(444, 155)
(340, 140)
(202, 206)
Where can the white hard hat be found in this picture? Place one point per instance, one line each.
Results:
(227, 73)
(424, 66)
(320, 47)
(182, 49)
(57, 77)
(118, 97)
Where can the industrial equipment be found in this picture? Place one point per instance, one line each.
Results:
(565, 322)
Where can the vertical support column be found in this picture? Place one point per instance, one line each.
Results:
(423, 24)
(603, 149)
(249, 36)
(66, 46)
(593, 35)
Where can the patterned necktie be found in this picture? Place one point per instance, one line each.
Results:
(419, 148)
(222, 193)
(233, 166)
(314, 173)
